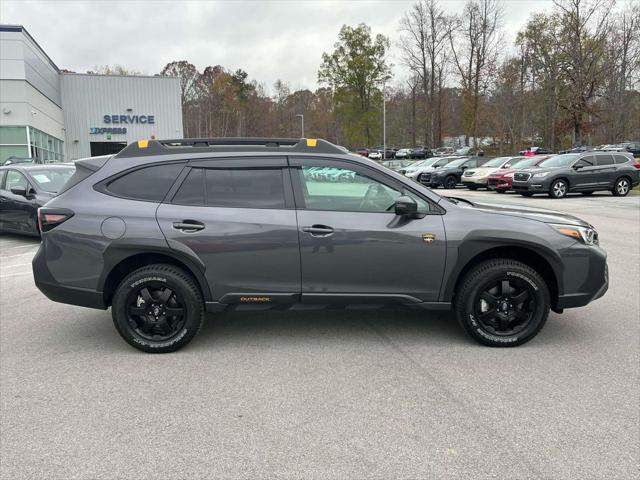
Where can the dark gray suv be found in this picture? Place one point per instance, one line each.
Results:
(579, 172)
(166, 231)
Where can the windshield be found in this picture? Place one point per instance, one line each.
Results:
(51, 179)
(527, 162)
(560, 160)
(424, 163)
(515, 161)
(496, 162)
(457, 163)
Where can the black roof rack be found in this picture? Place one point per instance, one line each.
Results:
(229, 144)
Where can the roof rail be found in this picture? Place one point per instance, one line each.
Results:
(229, 144)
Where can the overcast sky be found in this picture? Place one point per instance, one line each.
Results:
(270, 40)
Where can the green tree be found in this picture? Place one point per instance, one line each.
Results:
(355, 71)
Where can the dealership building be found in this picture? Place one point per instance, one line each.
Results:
(55, 116)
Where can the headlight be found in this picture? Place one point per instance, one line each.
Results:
(541, 174)
(586, 235)
(508, 175)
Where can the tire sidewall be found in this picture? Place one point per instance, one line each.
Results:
(474, 328)
(136, 281)
(450, 183)
(615, 187)
(566, 188)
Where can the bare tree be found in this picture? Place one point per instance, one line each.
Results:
(424, 43)
(474, 44)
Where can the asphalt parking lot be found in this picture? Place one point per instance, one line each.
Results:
(385, 394)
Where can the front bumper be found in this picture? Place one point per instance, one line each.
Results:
(477, 181)
(585, 277)
(501, 183)
(531, 186)
(58, 292)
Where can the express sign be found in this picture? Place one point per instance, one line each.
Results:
(130, 119)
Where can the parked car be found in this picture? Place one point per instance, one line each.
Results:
(397, 165)
(422, 173)
(530, 151)
(443, 151)
(579, 172)
(363, 151)
(403, 154)
(449, 175)
(26, 187)
(375, 154)
(475, 178)
(12, 160)
(163, 232)
(633, 148)
(421, 152)
(580, 149)
(464, 151)
(501, 181)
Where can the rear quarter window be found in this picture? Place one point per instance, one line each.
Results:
(620, 159)
(148, 183)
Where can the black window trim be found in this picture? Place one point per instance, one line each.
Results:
(298, 162)
(102, 185)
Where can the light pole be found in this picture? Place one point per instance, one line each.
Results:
(302, 121)
(384, 121)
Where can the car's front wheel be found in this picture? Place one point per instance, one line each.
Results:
(158, 308)
(450, 182)
(502, 303)
(559, 189)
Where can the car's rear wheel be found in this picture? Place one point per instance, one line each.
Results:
(450, 182)
(559, 188)
(158, 309)
(622, 187)
(502, 303)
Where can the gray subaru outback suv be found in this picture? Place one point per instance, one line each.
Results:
(166, 231)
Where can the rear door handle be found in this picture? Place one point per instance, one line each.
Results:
(188, 226)
(318, 230)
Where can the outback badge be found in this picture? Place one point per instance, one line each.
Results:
(428, 238)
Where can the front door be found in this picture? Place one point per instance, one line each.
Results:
(586, 174)
(238, 217)
(353, 246)
(17, 211)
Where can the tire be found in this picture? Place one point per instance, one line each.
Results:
(590, 192)
(622, 187)
(526, 194)
(504, 323)
(559, 188)
(450, 182)
(167, 288)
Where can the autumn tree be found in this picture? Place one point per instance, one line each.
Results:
(355, 71)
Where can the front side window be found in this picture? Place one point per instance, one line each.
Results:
(244, 188)
(344, 190)
(588, 161)
(16, 179)
(148, 183)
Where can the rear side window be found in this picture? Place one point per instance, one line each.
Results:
(621, 159)
(244, 188)
(149, 183)
(603, 159)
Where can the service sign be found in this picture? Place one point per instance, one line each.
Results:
(121, 120)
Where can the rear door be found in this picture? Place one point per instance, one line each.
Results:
(352, 245)
(237, 216)
(607, 171)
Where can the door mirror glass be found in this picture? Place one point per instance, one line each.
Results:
(578, 166)
(19, 190)
(464, 167)
(406, 206)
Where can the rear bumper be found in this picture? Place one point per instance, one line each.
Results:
(57, 292)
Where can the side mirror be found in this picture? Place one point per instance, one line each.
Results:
(19, 191)
(464, 167)
(406, 206)
(578, 167)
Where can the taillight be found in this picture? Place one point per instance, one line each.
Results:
(49, 218)
(637, 165)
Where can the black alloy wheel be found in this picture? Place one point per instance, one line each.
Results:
(450, 182)
(155, 312)
(502, 303)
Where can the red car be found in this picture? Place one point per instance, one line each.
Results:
(502, 180)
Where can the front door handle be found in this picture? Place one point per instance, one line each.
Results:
(188, 226)
(318, 230)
